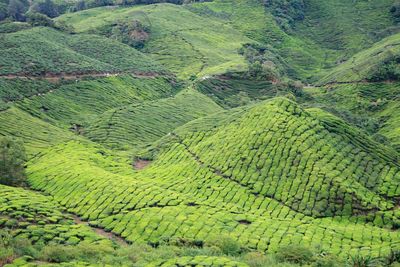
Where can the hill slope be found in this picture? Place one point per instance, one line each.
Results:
(215, 169)
(41, 50)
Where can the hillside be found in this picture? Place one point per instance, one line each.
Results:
(178, 38)
(33, 52)
(202, 168)
(365, 65)
(199, 133)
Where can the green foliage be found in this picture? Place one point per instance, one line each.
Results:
(175, 40)
(286, 12)
(270, 175)
(294, 254)
(16, 10)
(12, 161)
(233, 90)
(395, 10)
(33, 51)
(133, 126)
(363, 261)
(38, 19)
(227, 244)
(45, 7)
(132, 33)
(8, 27)
(388, 70)
(372, 107)
(189, 179)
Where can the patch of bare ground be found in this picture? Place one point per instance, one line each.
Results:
(119, 240)
(140, 164)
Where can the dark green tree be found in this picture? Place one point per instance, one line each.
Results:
(80, 5)
(12, 161)
(46, 7)
(16, 10)
(3, 11)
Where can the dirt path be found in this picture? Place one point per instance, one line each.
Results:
(349, 82)
(56, 77)
(119, 240)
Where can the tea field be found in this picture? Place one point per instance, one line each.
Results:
(200, 133)
(348, 210)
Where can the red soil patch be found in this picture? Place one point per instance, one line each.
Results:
(141, 164)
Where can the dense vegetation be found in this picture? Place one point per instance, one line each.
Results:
(199, 133)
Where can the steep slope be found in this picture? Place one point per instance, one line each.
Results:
(140, 124)
(225, 174)
(38, 219)
(184, 42)
(233, 92)
(365, 64)
(304, 159)
(371, 106)
(42, 50)
(74, 104)
(35, 133)
(353, 25)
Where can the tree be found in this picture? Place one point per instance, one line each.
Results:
(46, 7)
(3, 11)
(80, 5)
(395, 10)
(12, 161)
(16, 10)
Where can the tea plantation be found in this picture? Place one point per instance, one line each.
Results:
(42, 50)
(200, 133)
(310, 203)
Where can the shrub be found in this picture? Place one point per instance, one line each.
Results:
(394, 257)
(38, 19)
(227, 244)
(263, 71)
(59, 253)
(12, 161)
(286, 12)
(363, 261)
(256, 259)
(387, 70)
(294, 254)
(395, 11)
(327, 260)
(6, 255)
(132, 33)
